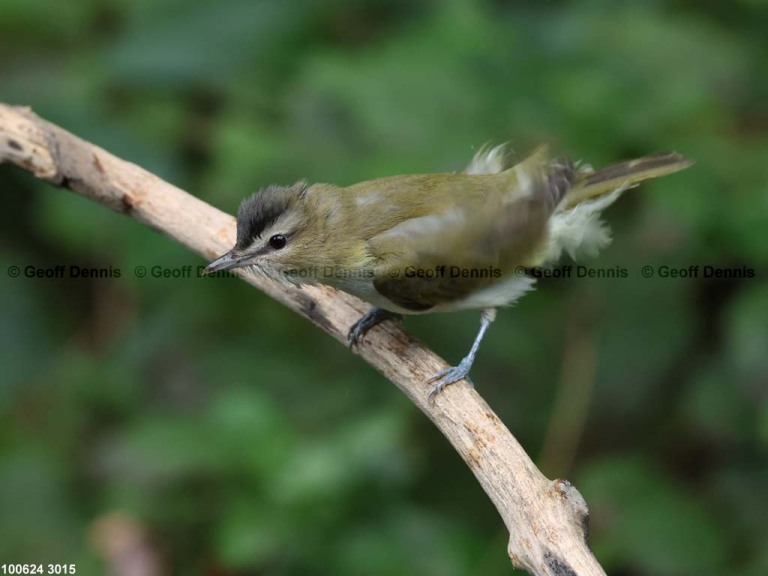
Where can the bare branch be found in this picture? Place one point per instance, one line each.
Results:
(546, 519)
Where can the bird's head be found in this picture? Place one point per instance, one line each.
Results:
(273, 232)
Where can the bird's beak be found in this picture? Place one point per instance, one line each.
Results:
(226, 262)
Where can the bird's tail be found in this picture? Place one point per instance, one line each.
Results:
(576, 227)
(591, 184)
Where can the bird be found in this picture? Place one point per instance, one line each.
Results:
(442, 242)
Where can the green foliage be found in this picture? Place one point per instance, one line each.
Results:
(243, 440)
(659, 527)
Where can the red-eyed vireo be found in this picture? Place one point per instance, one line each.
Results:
(435, 242)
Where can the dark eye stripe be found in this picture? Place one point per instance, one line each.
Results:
(261, 210)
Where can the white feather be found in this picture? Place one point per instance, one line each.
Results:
(578, 231)
(488, 160)
(501, 293)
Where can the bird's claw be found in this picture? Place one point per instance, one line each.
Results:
(356, 333)
(450, 376)
(366, 322)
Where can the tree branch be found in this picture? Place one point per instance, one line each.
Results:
(547, 520)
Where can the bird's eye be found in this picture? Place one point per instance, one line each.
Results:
(278, 241)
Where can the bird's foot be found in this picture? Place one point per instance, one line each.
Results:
(450, 376)
(367, 321)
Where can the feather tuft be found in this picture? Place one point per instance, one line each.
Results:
(579, 231)
(489, 160)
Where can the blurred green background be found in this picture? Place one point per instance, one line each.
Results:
(196, 425)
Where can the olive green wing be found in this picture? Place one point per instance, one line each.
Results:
(419, 262)
(444, 257)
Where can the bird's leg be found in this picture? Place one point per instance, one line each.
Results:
(460, 372)
(367, 321)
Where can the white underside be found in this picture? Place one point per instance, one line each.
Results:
(502, 293)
